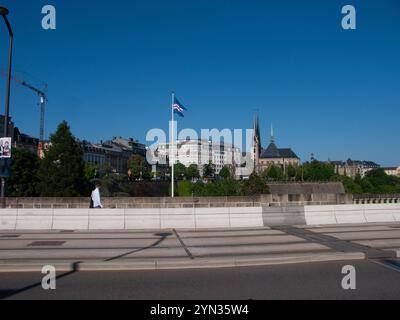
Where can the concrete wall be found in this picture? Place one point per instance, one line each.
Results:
(307, 188)
(361, 213)
(331, 214)
(194, 218)
(115, 219)
(283, 215)
(181, 202)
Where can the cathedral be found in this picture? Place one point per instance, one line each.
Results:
(272, 155)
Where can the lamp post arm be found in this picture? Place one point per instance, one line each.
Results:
(8, 26)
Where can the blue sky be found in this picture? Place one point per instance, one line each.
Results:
(111, 66)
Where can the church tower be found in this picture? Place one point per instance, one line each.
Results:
(256, 150)
(272, 138)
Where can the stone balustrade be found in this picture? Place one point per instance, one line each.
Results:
(376, 198)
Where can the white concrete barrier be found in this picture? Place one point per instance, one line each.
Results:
(381, 212)
(349, 213)
(315, 215)
(355, 213)
(283, 215)
(106, 219)
(35, 219)
(125, 219)
(67, 219)
(246, 217)
(212, 218)
(142, 219)
(180, 218)
(194, 218)
(8, 219)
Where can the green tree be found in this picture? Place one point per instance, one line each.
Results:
(139, 167)
(112, 184)
(209, 170)
(184, 188)
(318, 171)
(357, 179)
(225, 173)
(291, 172)
(91, 171)
(273, 173)
(255, 185)
(381, 182)
(180, 171)
(23, 174)
(230, 187)
(349, 184)
(104, 169)
(61, 172)
(367, 186)
(193, 171)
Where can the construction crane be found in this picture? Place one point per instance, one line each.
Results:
(42, 100)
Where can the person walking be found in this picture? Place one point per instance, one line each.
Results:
(95, 197)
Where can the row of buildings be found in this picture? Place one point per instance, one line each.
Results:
(200, 152)
(116, 152)
(19, 139)
(284, 157)
(113, 153)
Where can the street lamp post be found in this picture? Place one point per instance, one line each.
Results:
(4, 12)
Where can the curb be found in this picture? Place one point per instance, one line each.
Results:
(187, 264)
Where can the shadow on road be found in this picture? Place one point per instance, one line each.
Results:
(6, 293)
(162, 236)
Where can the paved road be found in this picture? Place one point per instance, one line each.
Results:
(294, 281)
(172, 247)
(372, 244)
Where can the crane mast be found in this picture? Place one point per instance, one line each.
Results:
(42, 108)
(42, 102)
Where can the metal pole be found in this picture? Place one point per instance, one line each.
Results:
(42, 109)
(172, 148)
(7, 103)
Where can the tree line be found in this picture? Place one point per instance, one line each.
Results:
(63, 173)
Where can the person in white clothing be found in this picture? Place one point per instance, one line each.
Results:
(96, 197)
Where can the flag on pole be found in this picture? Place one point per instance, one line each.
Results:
(178, 107)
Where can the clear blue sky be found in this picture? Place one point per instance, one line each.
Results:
(111, 66)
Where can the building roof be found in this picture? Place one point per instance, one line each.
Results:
(390, 168)
(358, 163)
(274, 152)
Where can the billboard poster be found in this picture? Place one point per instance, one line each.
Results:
(5, 147)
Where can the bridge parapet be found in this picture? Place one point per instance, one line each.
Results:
(376, 198)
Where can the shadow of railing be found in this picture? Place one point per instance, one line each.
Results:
(162, 236)
(7, 293)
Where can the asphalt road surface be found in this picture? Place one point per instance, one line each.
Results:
(295, 281)
(372, 248)
(177, 246)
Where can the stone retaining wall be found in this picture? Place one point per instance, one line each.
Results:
(181, 202)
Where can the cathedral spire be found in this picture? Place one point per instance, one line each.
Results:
(272, 138)
(256, 128)
(256, 142)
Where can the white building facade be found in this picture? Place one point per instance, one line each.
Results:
(201, 152)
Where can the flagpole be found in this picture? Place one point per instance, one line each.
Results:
(172, 148)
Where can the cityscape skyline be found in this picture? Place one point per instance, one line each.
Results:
(323, 88)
